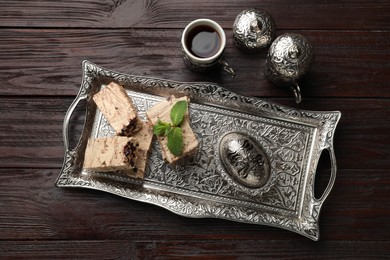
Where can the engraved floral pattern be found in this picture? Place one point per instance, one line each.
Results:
(253, 30)
(201, 188)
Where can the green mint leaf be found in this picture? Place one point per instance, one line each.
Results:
(167, 130)
(175, 141)
(178, 111)
(161, 128)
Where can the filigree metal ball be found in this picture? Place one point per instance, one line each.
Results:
(253, 30)
(289, 58)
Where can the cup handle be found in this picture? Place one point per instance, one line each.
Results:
(226, 67)
(297, 92)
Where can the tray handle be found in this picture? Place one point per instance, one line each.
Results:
(333, 171)
(65, 129)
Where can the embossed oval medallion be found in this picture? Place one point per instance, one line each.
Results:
(244, 159)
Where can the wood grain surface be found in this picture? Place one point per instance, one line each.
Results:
(42, 46)
(347, 64)
(294, 14)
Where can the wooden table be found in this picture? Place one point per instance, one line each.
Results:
(43, 44)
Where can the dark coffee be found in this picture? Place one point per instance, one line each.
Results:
(203, 41)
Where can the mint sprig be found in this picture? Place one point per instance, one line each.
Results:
(177, 112)
(161, 128)
(175, 141)
(173, 130)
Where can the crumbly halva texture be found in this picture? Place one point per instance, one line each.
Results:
(118, 109)
(161, 111)
(144, 137)
(117, 153)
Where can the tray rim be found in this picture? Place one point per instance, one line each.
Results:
(324, 121)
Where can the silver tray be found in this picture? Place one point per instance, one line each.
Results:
(291, 140)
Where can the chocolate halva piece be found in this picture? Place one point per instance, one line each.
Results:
(161, 111)
(118, 109)
(111, 154)
(144, 137)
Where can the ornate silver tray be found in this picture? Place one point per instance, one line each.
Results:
(285, 145)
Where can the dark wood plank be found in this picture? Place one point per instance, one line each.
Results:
(32, 208)
(36, 126)
(48, 62)
(32, 131)
(42, 46)
(193, 249)
(324, 15)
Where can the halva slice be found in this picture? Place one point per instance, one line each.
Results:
(118, 153)
(118, 108)
(161, 111)
(144, 137)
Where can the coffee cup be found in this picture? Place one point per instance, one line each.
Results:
(203, 44)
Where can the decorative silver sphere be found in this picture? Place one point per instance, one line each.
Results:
(253, 30)
(289, 58)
